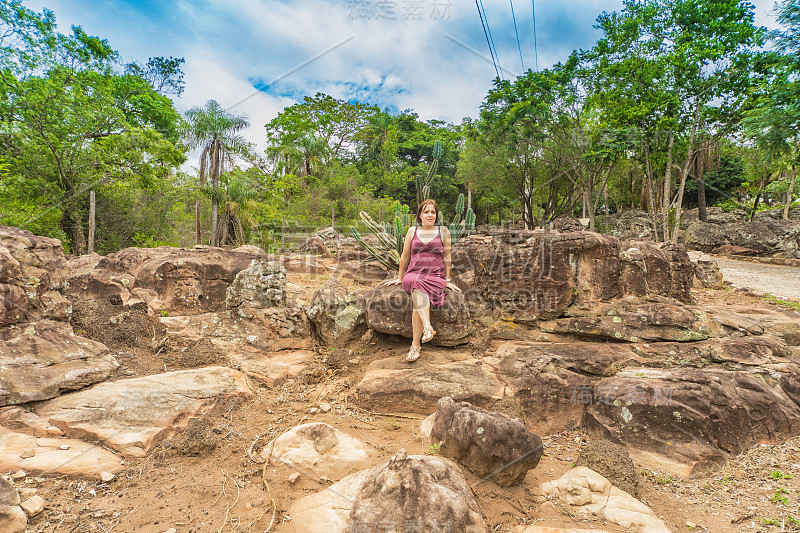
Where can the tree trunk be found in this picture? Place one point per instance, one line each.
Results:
(197, 222)
(758, 197)
(632, 184)
(690, 154)
(91, 221)
(667, 186)
(701, 188)
(651, 197)
(790, 193)
(215, 164)
(469, 197)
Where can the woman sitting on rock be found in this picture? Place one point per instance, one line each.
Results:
(424, 272)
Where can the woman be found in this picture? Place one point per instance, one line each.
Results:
(424, 272)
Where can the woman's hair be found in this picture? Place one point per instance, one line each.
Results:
(422, 206)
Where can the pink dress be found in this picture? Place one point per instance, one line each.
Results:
(425, 270)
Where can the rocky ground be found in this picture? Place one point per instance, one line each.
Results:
(211, 476)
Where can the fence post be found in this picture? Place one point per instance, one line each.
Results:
(283, 235)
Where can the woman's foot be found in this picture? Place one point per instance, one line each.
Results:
(427, 333)
(413, 354)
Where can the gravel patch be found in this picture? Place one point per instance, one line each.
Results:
(778, 280)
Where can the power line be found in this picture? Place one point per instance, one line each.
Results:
(488, 43)
(514, 18)
(489, 29)
(535, 50)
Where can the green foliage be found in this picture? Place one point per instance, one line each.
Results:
(74, 120)
(777, 474)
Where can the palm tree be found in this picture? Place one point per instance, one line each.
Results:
(215, 131)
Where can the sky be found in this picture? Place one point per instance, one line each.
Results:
(256, 57)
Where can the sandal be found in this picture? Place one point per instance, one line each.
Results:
(427, 334)
(413, 354)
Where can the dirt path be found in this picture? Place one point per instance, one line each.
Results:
(778, 280)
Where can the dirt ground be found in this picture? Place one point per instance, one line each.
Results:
(206, 481)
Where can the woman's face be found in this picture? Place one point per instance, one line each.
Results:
(428, 215)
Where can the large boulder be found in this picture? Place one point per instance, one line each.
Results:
(416, 493)
(174, 280)
(260, 286)
(532, 275)
(133, 415)
(696, 417)
(42, 359)
(337, 314)
(388, 310)
(547, 378)
(318, 449)
(632, 224)
(706, 271)
(766, 236)
(41, 261)
(588, 494)
(407, 493)
(490, 444)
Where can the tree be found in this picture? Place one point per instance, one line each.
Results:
(543, 117)
(216, 132)
(73, 122)
(697, 54)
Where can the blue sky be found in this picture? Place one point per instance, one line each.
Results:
(258, 57)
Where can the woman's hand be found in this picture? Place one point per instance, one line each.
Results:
(395, 281)
(452, 286)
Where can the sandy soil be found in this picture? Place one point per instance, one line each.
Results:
(206, 480)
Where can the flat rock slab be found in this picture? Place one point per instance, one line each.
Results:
(269, 368)
(42, 359)
(47, 456)
(417, 389)
(650, 322)
(133, 415)
(328, 511)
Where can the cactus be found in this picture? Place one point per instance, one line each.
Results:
(458, 228)
(424, 184)
(391, 235)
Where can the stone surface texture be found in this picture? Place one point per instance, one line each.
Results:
(429, 490)
(491, 445)
(318, 449)
(388, 310)
(259, 286)
(42, 359)
(337, 314)
(175, 280)
(417, 389)
(587, 493)
(47, 456)
(134, 415)
(12, 517)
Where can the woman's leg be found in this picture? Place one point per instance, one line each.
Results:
(422, 312)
